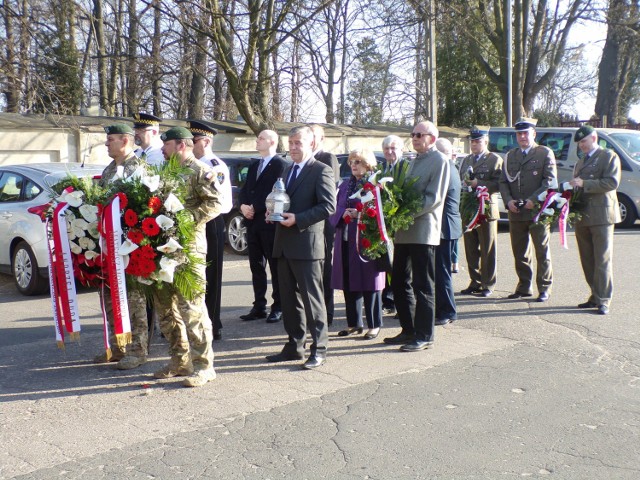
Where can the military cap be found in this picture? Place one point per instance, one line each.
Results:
(202, 129)
(144, 120)
(583, 132)
(524, 123)
(478, 132)
(176, 133)
(118, 129)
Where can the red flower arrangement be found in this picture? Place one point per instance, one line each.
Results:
(359, 206)
(154, 204)
(371, 212)
(124, 201)
(366, 243)
(135, 235)
(130, 218)
(347, 220)
(150, 227)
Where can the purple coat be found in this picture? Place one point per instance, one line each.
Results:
(363, 276)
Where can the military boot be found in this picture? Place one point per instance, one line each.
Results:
(116, 356)
(200, 378)
(131, 361)
(172, 370)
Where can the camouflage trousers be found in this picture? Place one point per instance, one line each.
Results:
(139, 324)
(186, 326)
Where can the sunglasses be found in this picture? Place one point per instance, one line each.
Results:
(419, 135)
(355, 162)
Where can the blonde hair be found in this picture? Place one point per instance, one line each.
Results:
(365, 155)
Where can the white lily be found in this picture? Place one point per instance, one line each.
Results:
(75, 248)
(372, 177)
(567, 186)
(560, 202)
(92, 228)
(127, 247)
(385, 180)
(74, 199)
(172, 204)
(137, 173)
(164, 222)
(90, 254)
(152, 183)
(78, 232)
(87, 243)
(169, 247)
(80, 223)
(542, 196)
(548, 211)
(89, 212)
(356, 195)
(167, 269)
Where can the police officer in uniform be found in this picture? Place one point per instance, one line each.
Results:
(596, 179)
(528, 171)
(482, 169)
(147, 130)
(120, 147)
(185, 323)
(203, 134)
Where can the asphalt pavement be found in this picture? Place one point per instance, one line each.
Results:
(512, 389)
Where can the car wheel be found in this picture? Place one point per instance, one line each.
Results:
(25, 271)
(237, 234)
(627, 212)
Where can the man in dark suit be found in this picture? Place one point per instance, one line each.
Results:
(300, 249)
(260, 234)
(529, 170)
(446, 310)
(330, 160)
(596, 179)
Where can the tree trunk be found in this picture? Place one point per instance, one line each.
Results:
(198, 78)
(156, 60)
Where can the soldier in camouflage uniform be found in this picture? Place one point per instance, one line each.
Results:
(184, 323)
(120, 147)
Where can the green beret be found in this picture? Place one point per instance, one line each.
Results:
(176, 133)
(583, 131)
(118, 128)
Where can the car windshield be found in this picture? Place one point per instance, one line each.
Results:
(629, 142)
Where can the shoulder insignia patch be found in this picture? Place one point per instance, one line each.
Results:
(220, 178)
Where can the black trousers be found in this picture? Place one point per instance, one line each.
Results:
(445, 298)
(413, 283)
(329, 237)
(356, 301)
(260, 244)
(215, 257)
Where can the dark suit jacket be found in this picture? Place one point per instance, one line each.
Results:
(255, 190)
(330, 160)
(313, 199)
(451, 220)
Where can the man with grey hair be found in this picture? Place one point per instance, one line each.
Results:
(413, 272)
(300, 250)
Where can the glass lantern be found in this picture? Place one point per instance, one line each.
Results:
(277, 201)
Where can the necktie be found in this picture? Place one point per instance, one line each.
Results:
(260, 166)
(524, 153)
(476, 159)
(293, 176)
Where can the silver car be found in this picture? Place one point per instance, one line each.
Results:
(24, 195)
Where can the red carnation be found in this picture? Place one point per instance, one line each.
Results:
(150, 227)
(369, 187)
(347, 219)
(154, 204)
(371, 212)
(359, 206)
(147, 252)
(124, 201)
(130, 218)
(366, 243)
(362, 227)
(135, 235)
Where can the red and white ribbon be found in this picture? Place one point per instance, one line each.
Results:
(382, 228)
(64, 300)
(563, 219)
(548, 200)
(114, 264)
(482, 194)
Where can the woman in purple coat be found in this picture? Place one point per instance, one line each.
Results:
(357, 277)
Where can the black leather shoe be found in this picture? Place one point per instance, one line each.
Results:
(416, 346)
(399, 339)
(254, 315)
(442, 321)
(486, 292)
(470, 290)
(281, 357)
(587, 305)
(543, 297)
(274, 317)
(350, 331)
(603, 310)
(517, 295)
(314, 361)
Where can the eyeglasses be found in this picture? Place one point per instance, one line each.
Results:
(355, 162)
(419, 134)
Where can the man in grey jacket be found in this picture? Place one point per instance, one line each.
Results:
(413, 273)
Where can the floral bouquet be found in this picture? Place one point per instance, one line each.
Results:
(554, 206)
(157, 230)
(386, 206)
(474, 203)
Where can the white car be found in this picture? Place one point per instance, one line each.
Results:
(24, 195)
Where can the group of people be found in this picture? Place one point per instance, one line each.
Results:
(299, 250)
